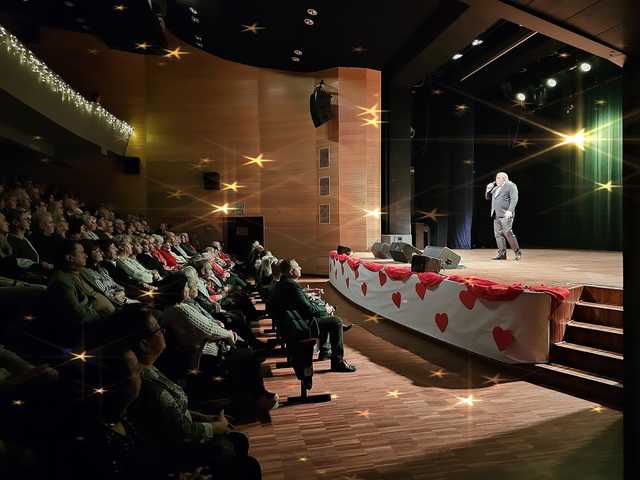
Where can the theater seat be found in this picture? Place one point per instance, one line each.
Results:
(300, 352)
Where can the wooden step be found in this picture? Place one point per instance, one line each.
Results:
(592, 360)
(604, 295)
(586, 385)
(599, 314)
(596, 336)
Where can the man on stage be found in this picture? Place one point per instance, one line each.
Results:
(504, 197)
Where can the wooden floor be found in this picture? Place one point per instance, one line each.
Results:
(565, 268)
(402, 416)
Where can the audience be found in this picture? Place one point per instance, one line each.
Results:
(126, 400)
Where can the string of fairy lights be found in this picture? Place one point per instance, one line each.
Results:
(14, 48)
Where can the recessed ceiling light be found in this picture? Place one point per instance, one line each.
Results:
(521, 97)
(295, 59)
(312, 12)
(457, 56)
(297, 52)
(551, 82)
(585, 67)
(477, 42)
(193, 10)
(308, 21)
(37, 138)
(195, 19)
(69, 4)
(80, 20)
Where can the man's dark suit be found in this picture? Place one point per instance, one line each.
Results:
(503, 199)
(287, 294)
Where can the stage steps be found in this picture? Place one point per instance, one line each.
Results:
(589, 360)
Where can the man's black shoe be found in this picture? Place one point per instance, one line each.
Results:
(500, 257)
(342, 366)
(324, 356)
(518, 256)
(346, 327)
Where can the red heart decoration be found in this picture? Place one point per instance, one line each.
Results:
(421, 289)
(356, 272)
(396, 297)
(468, 298)
(383, 278)
(342, 268)
(442, 320)
(363, 287)
(347, 281)
(503, 338)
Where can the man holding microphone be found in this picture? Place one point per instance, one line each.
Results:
(504, 197)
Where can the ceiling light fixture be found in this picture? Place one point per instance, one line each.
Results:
(308, 21)
(521, 97)
(551, 82)
(477, 42)
(312, 12)
(504, 52)
(585, 67)
(193, 10)
(295, 59)
(457, 56)
(297, 52)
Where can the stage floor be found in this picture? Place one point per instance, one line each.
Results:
(557, 268)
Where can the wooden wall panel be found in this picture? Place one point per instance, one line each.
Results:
(205, 107)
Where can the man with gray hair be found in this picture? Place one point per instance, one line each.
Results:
(504, 198)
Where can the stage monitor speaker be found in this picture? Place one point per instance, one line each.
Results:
(342, 250)
(422, 263)
(211, 180)
(381, 250)
(448, 257)
(397, 237)
(402, 252)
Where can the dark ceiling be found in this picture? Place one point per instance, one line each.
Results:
(268, 34)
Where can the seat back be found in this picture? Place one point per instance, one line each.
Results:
(300, 349)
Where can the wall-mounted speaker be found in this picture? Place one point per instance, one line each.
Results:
(211, 180)
(127, 165)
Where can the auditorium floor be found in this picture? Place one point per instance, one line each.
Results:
(405, 414)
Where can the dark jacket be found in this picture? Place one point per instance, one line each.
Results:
(287, 295)
(150, 262)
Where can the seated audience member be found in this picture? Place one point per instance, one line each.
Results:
(104, 228)
(194, 333)
(62, 227)
(25, 254)
(71, 303)
(90, 227)
(76, 229)
(221, 254)
(167, 254)
(119, 227)
(43, 238)
(98, 277)
(186, 245)
(132, 287)
(130, 266)
(172, 240)
(146, 258)
(56, 210)
(170, 436)
(155, 243)
(287, 294)
(72, 207)
(264, 274)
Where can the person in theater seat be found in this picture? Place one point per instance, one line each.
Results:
(287, 294)
(504, 198)
(129, 265)
(42, 237)
(26, 254)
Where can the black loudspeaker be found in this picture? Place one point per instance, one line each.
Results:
(320, 106)
(381, 250)
(422, 263)
(342, 250)
(211, 180)
(402, 252)
(448, 257)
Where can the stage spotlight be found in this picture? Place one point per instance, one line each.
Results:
(578, 139)
(521, 97)
(457, 56)
(585, 67)
(477, 42)
(551, 82)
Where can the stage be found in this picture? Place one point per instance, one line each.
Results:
(504, 310)
(556, 268)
